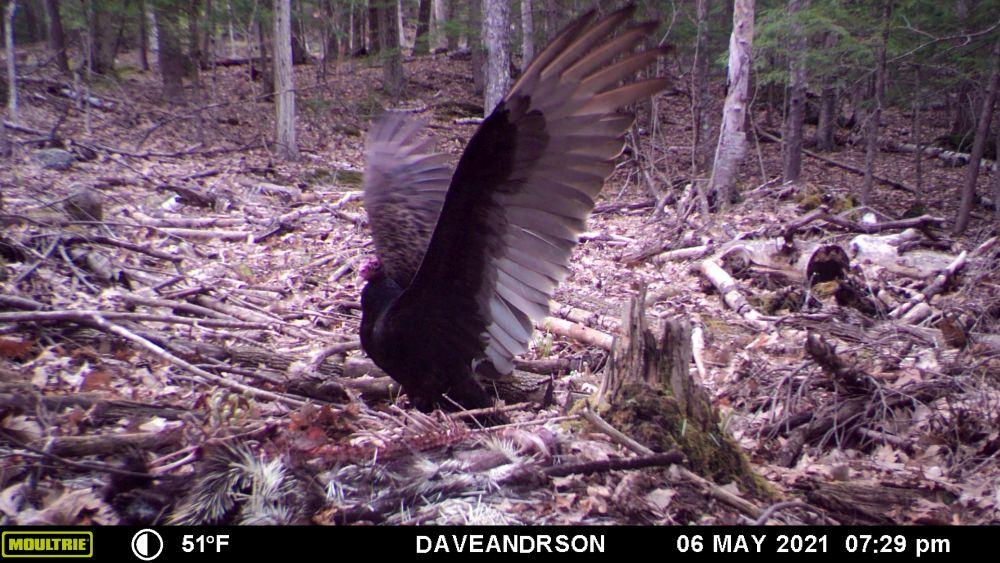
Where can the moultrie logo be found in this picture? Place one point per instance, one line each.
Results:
(47, 543)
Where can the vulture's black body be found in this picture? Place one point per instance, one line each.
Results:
(469, 259)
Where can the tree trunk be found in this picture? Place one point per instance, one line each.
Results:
(732, 136)
(154, 38)
(979, 144)
(331, 41)
(439, 15)
(57, 40)
(527, 33)
(263, 47)
(102, 39)
(33, 26)
(392, 58)
(701, 147)
(794, 118)
(374, 42)
(996, 181)
(476, 48)
(399, 24)
(422, 42)
(300, 51)
(11, 70)
(284, 85)
(143, 36)
(208, 34)
(169, 51)
(358, 34)
(229, 28)
(826, 139)
(874, 120)
(918, 158)
(194, 39)
(451, 25)
(963, 120)
(6, 150)
(553, 21)
(496, 24)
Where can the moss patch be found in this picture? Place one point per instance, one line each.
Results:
(655, 419)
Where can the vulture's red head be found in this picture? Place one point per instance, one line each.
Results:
(370, 268)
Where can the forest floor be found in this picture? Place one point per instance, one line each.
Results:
(209, 321)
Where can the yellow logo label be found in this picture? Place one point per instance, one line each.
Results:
(44, 543)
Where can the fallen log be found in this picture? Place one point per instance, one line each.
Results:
(731, 296)
(848, 167)
(577, 331)
(948, 157)
(813, 262)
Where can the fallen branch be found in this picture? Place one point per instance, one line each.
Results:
(727, 288)
(577, 332)
(604, 466)
(615, 434)
(849, 380)
(103, 324)
(935, 287)
(582, 316)
(100, 444)
(688, 253)
(85, 315)
(822, 213)
(108, 241)
(622, 206)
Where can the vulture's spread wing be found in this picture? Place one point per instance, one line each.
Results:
(522, 191)
(405, 186)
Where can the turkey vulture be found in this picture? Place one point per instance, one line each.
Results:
(466, 260)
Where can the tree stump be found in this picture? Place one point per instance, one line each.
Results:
(649, 394)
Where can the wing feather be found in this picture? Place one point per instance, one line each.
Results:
(524, 187)
(405, 187)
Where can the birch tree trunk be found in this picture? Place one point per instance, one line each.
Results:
(979, 144)
(438, 19)
(732, 145)
(496, 24)
(169, 51)
(527, 33)
(358, 35)
(875, 119)
(11, 72)
(795, 116)
(57, 39)
(284, 86)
